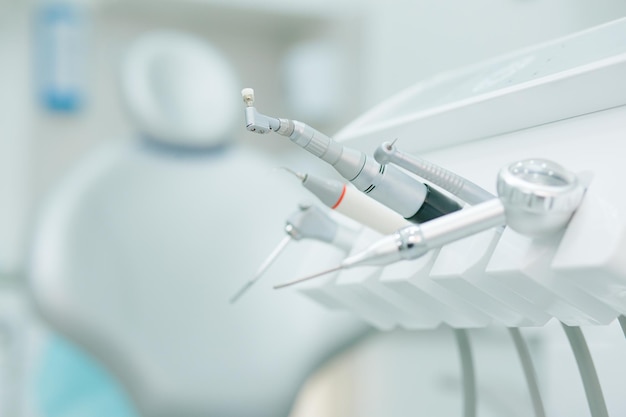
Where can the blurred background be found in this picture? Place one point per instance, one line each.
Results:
(71, 135)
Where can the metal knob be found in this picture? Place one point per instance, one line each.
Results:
(539, 196)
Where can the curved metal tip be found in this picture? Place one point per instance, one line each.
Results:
(301, 176)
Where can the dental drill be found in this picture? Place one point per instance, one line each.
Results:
(388, 184)
(308, 222)
(454, 184)
(537, 198)
(347, 200)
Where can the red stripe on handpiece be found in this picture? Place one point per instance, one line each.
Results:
(343, 192)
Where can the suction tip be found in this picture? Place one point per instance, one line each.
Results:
(248, 96)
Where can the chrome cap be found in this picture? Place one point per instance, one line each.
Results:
(539, 196)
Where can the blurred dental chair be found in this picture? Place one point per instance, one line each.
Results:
(137, 252)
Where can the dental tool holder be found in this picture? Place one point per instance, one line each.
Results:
(494, 275)
(564, 100)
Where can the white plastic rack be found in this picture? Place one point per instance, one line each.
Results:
(565, 103)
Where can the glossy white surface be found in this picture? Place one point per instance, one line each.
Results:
(567, 77)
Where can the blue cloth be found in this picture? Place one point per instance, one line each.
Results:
(69, 383)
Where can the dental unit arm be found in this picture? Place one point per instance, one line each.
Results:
(389, 185)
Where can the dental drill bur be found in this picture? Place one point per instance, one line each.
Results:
(308, 222)
(398, 190)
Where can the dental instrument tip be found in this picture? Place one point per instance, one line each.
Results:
(389, 145)
(241, 291)
(301, 176)
(248, 96)
(266, 264)
(297, 281)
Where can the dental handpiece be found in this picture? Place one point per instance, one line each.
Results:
(537, 198)
(308, 222)
(456, 185)
(388, 184)
(347, 200)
